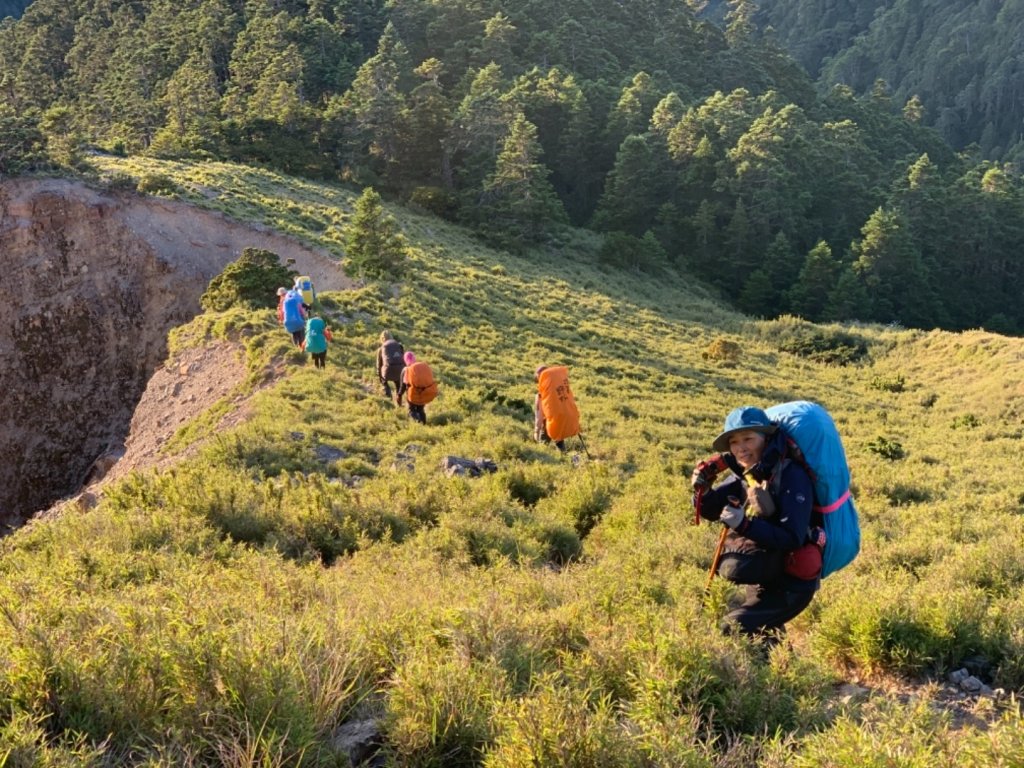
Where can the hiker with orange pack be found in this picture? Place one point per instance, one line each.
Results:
(555, 415)
(418, 386)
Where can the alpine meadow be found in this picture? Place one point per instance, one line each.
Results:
(650, 193)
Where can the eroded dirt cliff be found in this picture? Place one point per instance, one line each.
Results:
(92, 283)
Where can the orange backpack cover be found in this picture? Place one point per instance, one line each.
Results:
(561, 417)
(422, 387)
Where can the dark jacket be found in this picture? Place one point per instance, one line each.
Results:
(389, 361)
(793, 494)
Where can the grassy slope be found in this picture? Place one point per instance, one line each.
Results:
(245, 604)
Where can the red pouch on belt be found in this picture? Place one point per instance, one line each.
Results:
(804, 562)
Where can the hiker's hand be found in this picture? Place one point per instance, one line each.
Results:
(732, 516)
(704, 474)
(760, 501)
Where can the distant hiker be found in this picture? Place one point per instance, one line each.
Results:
(304, 285)
(767, 504)
(418, 386)
(555, 415)
(390, 364)
(293, 316)
(316, 338)
(281, 293)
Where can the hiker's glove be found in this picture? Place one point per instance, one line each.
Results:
(705, 473)
(732, 516)
(760, 502)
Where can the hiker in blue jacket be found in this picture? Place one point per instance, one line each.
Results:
(293, 316)
(768, 505)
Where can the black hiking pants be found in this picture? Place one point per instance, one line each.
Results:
(766, 610)
(398, 388)
(299, 336)
(320, 359)
(417, 413)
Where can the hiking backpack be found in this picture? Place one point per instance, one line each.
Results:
(809, 428)
(392, 361)
(316, 336)
(422, 387)
(561, 416)
(304, 286)
(291, 310)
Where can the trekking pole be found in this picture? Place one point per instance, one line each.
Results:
(716, 560)
(580, 436)
(698, 498)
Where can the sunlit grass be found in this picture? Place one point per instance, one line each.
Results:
(313, 565)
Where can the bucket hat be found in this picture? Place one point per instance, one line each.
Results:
(745, 418)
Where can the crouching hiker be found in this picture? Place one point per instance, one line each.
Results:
(315, 342)
(418, 386)
(767, 505)
(390, 364)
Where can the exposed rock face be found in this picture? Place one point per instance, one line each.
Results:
(91, 285)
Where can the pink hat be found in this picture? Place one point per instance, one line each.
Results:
(409, 358)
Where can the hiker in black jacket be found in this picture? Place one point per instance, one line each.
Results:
(767, 504)
(390, 364)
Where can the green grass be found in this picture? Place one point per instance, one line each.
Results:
(314, 566)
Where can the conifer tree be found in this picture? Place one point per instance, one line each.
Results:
(809, 293)
(478, 129)
(374, 246)
(372, 109)
(632, 191)
(519, 203)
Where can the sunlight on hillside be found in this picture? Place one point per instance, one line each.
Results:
(314, 566)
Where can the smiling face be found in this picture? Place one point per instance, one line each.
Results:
(746, 446)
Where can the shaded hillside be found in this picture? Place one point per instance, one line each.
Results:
(310, 570)
(961, 60)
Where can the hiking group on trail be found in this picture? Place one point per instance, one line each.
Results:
(786, 509)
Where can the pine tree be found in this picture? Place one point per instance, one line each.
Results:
(372, 109)
(757, 298)
(374, 246)
(632, 190)
(519, 203)
(809, 294)
(889, 265)
(478, 129)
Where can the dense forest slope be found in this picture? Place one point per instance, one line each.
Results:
(685, 143)
(308, 572)
(958, 65)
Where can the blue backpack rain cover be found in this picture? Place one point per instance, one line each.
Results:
(814, 432)
(293, 320)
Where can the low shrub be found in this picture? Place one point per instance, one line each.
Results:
(823, 345)
(156, 184)
(886, 447)
(966, 421)
(722, 351)
(251, 280)
(894, 383)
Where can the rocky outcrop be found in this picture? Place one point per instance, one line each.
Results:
(92, 282)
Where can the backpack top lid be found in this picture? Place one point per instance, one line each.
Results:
(812, 429)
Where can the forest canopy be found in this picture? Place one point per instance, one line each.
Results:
(703, 145)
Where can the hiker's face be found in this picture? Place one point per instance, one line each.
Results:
(747, 447)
